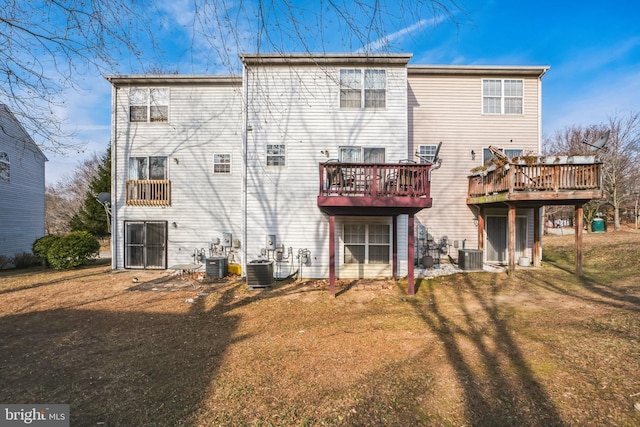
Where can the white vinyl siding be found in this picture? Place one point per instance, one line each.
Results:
(22, 187)
(298, 105)
(208, 120)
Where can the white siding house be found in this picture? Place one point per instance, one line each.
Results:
(177, 167)
(294, 105)
(21, 187)
(339, 166)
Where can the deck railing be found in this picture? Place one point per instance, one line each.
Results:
(374, 179)
(149, 192)
(544, 174)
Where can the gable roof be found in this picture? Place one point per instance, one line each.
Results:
(11, 127)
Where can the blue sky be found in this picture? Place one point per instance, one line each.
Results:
(592, 47)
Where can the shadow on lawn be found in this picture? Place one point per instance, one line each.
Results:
(117, 367)
(500, 389)
(593, 290)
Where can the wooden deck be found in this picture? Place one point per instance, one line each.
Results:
(376, 188)
(538, 180)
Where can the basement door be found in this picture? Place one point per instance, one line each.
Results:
(498, 238)
(145, 244)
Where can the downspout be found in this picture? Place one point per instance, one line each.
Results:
(245, 120)
(114, 187)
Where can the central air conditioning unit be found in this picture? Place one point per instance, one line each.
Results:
(260, 274)
(216, 267)
(470, 259)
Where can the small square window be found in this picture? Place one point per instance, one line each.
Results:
(275, 155)
(222, 163)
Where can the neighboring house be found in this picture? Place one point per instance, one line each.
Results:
(22, 187)
(340, 166)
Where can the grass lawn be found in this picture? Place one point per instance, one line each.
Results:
(537, 348)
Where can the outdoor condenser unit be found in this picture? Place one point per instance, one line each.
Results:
(216, 267)
(470, 259)
(259, 274)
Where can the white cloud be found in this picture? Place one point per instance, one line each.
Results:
(386, 41)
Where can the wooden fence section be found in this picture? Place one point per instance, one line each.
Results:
(553, 177)
(374, 179)
(148, 192)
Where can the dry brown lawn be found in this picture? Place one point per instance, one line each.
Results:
(535, 348)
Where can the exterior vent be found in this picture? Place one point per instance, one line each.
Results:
(216, 267)
(470, 259)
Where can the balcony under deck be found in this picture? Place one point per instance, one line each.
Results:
(537, 181)
(373, 188)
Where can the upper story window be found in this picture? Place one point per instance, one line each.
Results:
(487, 155)
(5, 168)
(502, 96)
(362, 154)
(275, 155)
(145, 168)
(149, 105)
(222, 163)
(360, 88)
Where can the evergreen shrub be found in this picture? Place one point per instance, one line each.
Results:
(75, 249)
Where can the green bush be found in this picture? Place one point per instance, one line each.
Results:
(40, 247)
(74, 249)
(26, 260)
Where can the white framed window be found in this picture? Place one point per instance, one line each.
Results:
(367, 243)
(222, 163)
(148, 168)
(363, 88)
(502, 96)
(487, 155)
(148, 105)
(5, 167)
(427, 153)
(362, 154)
(276, 155)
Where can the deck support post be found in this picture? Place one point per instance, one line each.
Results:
(512, 238)
(332, 255)
(578, 213)
(411, 285)
(395, 248)
(480, 228)
(537, 237)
